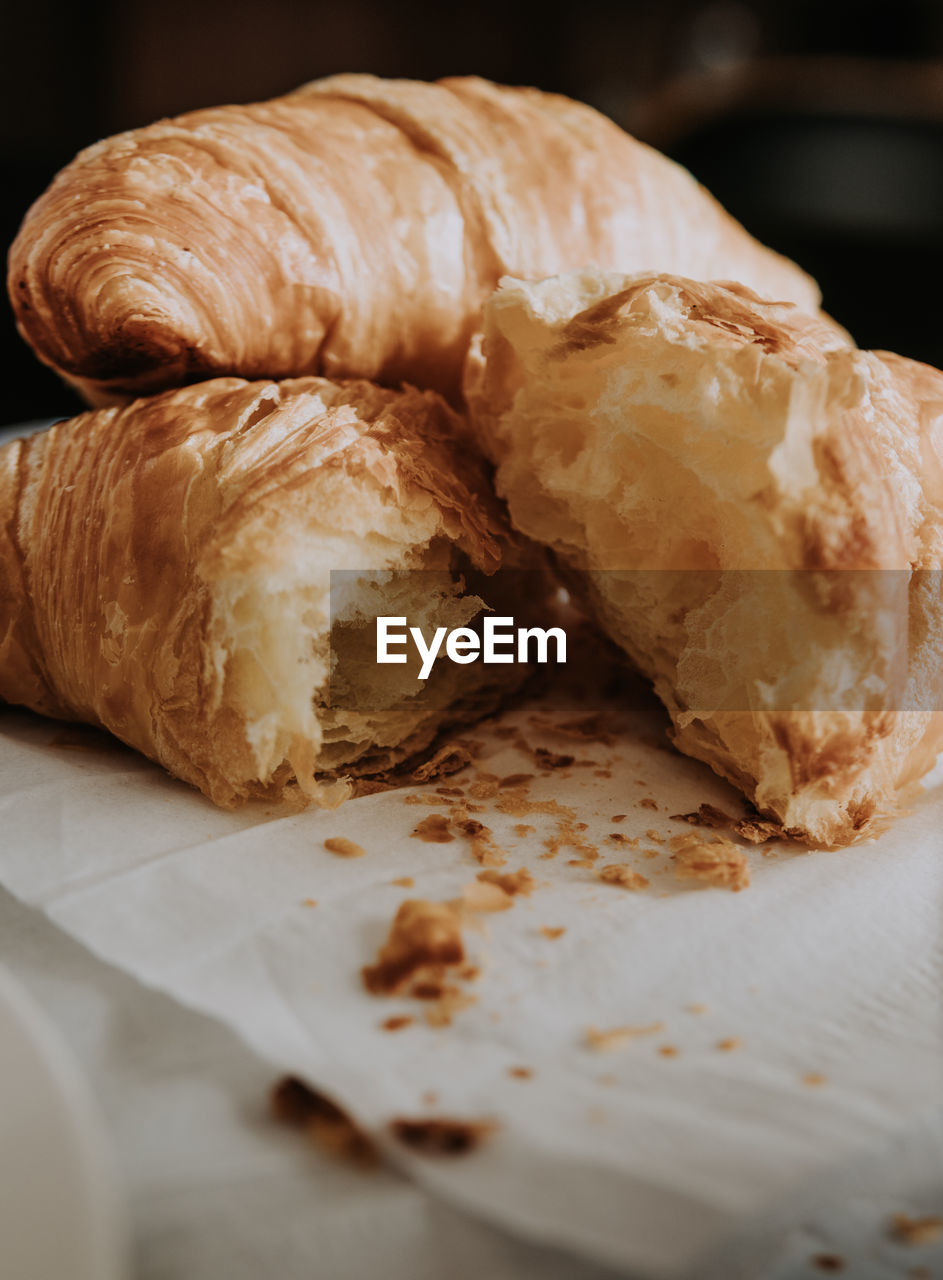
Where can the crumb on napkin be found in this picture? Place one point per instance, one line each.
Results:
(916, 1231)
(295, 1103)
(712, 861)
(621, 874)
(424, 936)
(433, 829)
(602, 1041)
(444, 1136)
(343, 847)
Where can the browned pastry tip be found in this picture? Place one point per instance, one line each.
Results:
(352, 228)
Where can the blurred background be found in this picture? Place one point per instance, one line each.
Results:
(818, 123)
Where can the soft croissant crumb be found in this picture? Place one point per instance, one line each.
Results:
(685, 448)
(351, 228)
(188, 572)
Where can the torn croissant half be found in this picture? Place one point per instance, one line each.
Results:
(191, 573)
(752, 508)
(352, 228)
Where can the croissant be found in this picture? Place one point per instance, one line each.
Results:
(752, 508)
(352, 228)
(188, 571)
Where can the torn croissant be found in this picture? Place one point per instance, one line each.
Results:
(752, 508)
(352, 228)
(189, 572)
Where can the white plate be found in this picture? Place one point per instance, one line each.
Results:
(60, 1214)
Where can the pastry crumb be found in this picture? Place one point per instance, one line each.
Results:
(483, 846)
(433, 829)
(830, 1262)
(343, 847)
(295, 1103)
(621, 874)
(603, 1041)
(706, 815)
(424, 936)
(716, 862)
(916, 1231)
(442, 1137)
(514, 883)
(397, 1022)
(759, 830)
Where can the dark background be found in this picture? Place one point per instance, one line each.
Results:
(819, 125)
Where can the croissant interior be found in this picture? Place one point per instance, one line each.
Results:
(752, 508)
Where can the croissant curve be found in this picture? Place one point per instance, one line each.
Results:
(352, 228)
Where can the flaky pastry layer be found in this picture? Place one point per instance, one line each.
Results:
(165, 572)
(753, 509)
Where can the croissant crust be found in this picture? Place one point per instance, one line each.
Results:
(352, 228)
(165, 572)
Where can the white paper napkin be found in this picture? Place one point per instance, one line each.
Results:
(660, 1155)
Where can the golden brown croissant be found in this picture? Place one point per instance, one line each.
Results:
(352, 228)
(166, 572)
(686, 448)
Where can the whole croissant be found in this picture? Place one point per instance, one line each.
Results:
(752, 508)
(166, 572)
(352, 228)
